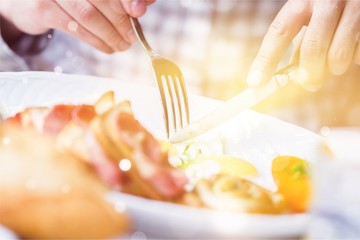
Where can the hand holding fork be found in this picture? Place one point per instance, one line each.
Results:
(171, 85)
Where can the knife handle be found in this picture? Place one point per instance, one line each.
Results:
(287, 73)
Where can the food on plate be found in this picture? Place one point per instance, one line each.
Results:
(108, 136)
(222, 183)
(226, 192)
(127, 157)
(48, 194)
(124, 138)
(292, 177)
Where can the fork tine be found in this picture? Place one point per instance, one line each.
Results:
(169, 82)
(185, 97)
(178, 98)
(164, 103)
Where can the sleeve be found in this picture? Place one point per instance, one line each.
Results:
(9, 61)
(15, 50)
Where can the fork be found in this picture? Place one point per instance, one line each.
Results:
(170, 83)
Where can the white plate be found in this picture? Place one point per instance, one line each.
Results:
(164, 220)
(170, 221)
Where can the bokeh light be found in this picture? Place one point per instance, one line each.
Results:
(125, 165)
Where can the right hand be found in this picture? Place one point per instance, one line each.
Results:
(325, 36)
(104, 24)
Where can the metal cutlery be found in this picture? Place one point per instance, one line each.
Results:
(171, 85)
(235, 105)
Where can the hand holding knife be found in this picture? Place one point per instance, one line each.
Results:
(234, 106)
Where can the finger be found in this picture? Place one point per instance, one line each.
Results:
(344, 42)
(314, 48)
(114, 12)
(135, 8)
(283, 29)
(295, 55)
(58, 19)
(35, 9)
(91, 19)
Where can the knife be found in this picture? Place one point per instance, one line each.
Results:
(240, 102)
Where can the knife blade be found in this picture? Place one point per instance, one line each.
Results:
(240, 102)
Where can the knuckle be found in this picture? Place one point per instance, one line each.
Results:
(112, 37)
(123, 45)
(279, 28)
(338, 56)
(87, 13)
(312, 47)
(264, 62)
(122, 19)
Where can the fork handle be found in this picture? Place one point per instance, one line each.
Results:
(140, 36)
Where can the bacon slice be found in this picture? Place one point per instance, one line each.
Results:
(150, 169)
(61, 115)
(56, 120)
(107, 169)
(15, 120)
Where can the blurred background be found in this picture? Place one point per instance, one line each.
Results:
(214, 42)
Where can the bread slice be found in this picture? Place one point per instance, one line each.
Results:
(47, 194)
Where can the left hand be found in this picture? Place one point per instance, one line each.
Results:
(103, 24)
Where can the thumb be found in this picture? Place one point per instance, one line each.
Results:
(135, 8)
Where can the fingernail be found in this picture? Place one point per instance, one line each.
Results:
(131, 35)
(123, 46)
(304, 79)
(302, 76)
(255, 78)
(138, 7)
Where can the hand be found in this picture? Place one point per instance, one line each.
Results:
(329, 43)
(104, 24)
